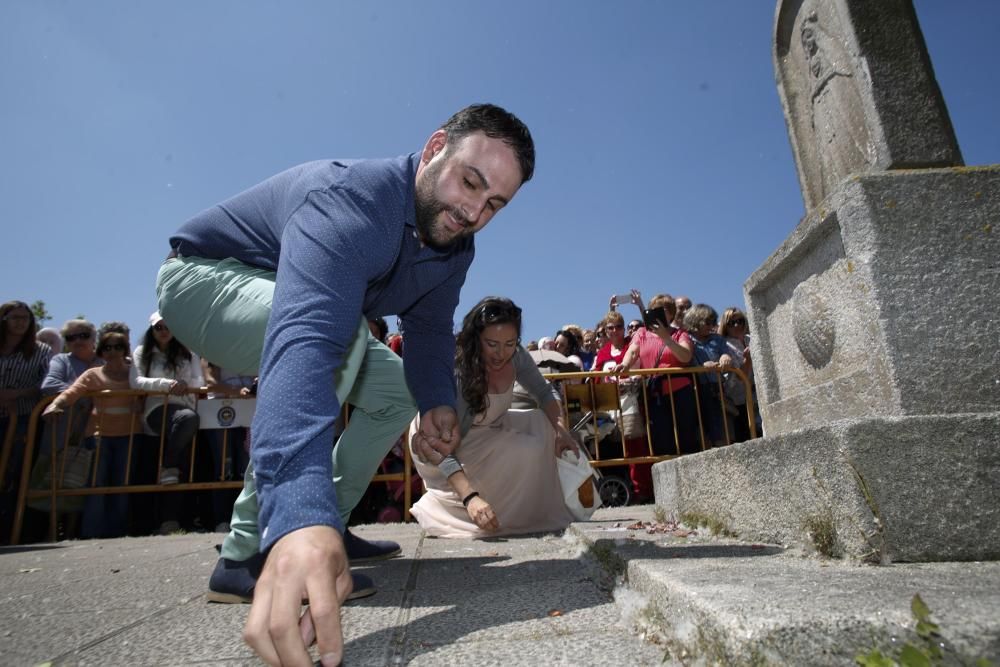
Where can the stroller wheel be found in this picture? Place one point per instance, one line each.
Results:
(614, 492)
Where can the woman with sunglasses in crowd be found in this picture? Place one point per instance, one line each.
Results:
(164, 364)
(112, 425)
(733, 327)
(503, 477)
(80, 337)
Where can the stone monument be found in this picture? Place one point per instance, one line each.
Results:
(875, 335)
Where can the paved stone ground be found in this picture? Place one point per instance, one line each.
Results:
(606, 592)
(140, 601)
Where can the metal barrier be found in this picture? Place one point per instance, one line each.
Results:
(59, 454)
(579, 390)
(594, 399)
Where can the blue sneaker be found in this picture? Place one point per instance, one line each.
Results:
(233, 581)
(364, 551)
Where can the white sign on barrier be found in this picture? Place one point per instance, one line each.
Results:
(226, 412)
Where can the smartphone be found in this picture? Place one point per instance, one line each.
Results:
(623, 299)
(655, 318)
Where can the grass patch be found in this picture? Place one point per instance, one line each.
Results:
(715, 525)
(659, 514)
(929, 650)
(822, 533)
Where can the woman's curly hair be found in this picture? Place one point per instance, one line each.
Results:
(468, 359)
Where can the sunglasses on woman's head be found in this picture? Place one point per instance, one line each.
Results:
(117, 347)
(83, 335)
(492, 313)
(738, 322)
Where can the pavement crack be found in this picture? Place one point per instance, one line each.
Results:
(125, 628)
(396, 652)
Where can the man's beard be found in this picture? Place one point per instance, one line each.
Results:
(429, 208)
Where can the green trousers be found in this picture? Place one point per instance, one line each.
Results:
(219, 309)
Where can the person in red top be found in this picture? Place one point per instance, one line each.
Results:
(663, 346)
(611, 353)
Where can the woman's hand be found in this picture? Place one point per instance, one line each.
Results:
(482, 514)
(620, 369)
(52, 411)
(178, 388)
(565, 441)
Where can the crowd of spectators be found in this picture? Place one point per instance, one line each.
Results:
(122, 433)
(670, 332)
(685, 412)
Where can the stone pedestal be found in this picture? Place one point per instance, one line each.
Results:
(875, 326)
(877, 358)
(885, 301)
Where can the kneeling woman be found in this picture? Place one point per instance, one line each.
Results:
(503, 478)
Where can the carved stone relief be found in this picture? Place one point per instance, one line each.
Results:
(840, 132)
(812, 325)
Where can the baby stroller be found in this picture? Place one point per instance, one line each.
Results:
(591, 408)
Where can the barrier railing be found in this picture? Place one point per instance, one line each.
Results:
(584, 394)
(61, 485)
(594, 396)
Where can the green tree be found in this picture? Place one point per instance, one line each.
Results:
(41, 314)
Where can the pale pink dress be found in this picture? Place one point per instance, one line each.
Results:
(509, 458)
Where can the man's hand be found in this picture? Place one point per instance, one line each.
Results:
(438, 435)
(306, 563)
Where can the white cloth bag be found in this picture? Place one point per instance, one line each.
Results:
(579, 486)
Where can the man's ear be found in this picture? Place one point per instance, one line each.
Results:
(434, 145)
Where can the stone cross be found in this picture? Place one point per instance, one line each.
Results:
(874, 327)
(858, 100)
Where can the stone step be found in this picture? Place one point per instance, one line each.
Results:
(914, 488)
(722, 601)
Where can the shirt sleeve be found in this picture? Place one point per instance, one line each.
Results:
(150, 384)
(329, 252)
(73, 393)
(55, 380)
(528, 375)
(430, 345)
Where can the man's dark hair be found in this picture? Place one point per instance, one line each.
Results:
(496, 123)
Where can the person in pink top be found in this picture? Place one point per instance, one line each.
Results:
(113, 423)
(662, 346)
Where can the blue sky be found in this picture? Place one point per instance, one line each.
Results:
(663, 160)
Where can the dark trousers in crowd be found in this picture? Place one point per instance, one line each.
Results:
(107, 515)
(181, 427)
(713, 419)
(229, 465)
(739, 427)
(12, 476)
(662, 418)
